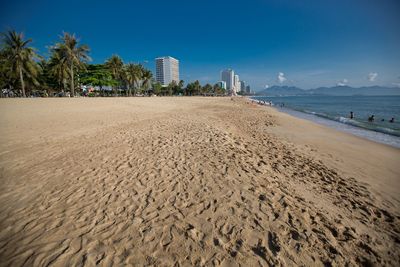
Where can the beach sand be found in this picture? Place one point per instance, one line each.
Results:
(189, 182)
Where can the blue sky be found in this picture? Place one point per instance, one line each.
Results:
(307, 43)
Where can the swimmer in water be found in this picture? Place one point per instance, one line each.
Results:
(371, 119)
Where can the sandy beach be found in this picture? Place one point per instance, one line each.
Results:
(177, 181)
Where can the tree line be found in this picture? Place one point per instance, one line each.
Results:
(67, 72)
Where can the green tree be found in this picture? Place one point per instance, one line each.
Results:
(157, 88)
(6, 79)
(20, 58)
(146, 79)
(116, 66)
(97, 75)
(181, 84)
(133, 73)
(207, 89)
(189, 89)
(46, 80)
(178, 89)
(196, 87)
(58, 68)
(74, 54)
(218, 90)
(172, 88)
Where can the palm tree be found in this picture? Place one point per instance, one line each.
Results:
(20, 57)
(134, 73)
(181, 84)
(74, 54)
(197, 87)
(130, 76)
(6, 79)
(59, 68)
(156, 86)
(146, 79)
(139, 82)
(206, 89)
(115, 65)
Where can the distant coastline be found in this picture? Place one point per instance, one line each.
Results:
(332, 91)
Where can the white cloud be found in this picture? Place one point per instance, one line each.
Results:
(281, 77)
(372, 76)
(342, 83)
(396, 84)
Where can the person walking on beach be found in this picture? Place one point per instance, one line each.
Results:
(351, 115)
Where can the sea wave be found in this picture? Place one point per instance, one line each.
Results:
(375, 131)
(367, 126)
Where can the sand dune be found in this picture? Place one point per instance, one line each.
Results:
(188, 182)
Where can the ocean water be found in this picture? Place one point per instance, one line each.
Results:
(334, 111)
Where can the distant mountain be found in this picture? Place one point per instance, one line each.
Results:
(347, 91)
(282, 91)
(334, 91)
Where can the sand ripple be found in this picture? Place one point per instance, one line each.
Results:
(202, 185)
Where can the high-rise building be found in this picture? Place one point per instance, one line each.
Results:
(242, 86)
(167, 70)
(237, 83)
(248, 91)
(222, 84)
(228, 77)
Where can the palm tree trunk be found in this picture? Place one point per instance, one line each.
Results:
(129, 89)
(72, 80)
(64, 86)
(21, 77)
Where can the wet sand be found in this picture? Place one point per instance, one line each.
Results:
(189, 182)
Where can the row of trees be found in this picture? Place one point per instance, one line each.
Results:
(23, 72)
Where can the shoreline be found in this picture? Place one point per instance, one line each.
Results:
(343, 151)
(372, 135)
(190, 180)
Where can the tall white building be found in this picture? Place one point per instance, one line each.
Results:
(167, 70)
(236, 83)
(222, 84)
(228, 77)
